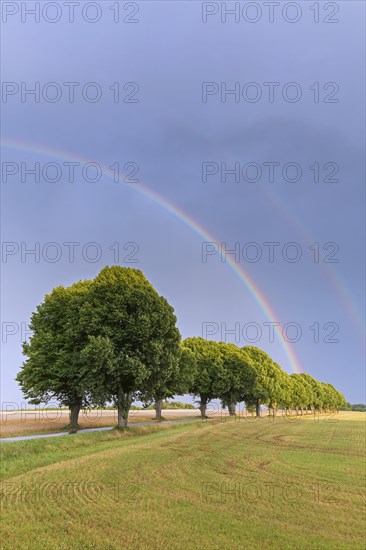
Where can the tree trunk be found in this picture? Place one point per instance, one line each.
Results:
(124, 401)
(257, 408)
(158, 408)
(203, 405)
(74, 414)
(301, 411)
(232, 406)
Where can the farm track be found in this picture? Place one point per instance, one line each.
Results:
(91, 430)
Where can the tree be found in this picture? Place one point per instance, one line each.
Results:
(240, 376)
(287, 400)
(209, 381)
(98, 358)
(54, 368)
(174, 381)
(278, 387)
(333, 399)
(340, 400)
(301, 392)
(267, 384)
(138, 327)
(308, 391)
(316, 395)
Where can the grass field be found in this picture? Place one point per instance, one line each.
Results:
(201, 485)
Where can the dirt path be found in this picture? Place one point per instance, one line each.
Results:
(88, 430)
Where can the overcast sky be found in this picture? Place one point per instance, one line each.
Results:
(160, 109)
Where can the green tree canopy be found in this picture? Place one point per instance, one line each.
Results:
(113, 338)
(240, 376)
(125, 310)
(316, 394)
(268, 389)
(210, 375)
(302, 392)
(176, 380)
(54, 368)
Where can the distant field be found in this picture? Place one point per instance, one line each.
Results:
(208, 485)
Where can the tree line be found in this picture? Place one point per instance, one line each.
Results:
(356, 407)
(114, 339)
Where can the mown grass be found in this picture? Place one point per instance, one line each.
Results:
(24, 456)
(205, 485)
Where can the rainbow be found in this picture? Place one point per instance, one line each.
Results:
(240, 272)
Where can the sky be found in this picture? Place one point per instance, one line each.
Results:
(162, 136)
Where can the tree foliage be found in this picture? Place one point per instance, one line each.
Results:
(240, 376)
(113, 338)
(210, 377)
(54, 368)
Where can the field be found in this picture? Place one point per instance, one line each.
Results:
(48, 421)
(250, 483)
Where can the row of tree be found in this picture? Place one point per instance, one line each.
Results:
(249, 375)
(114, 339)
